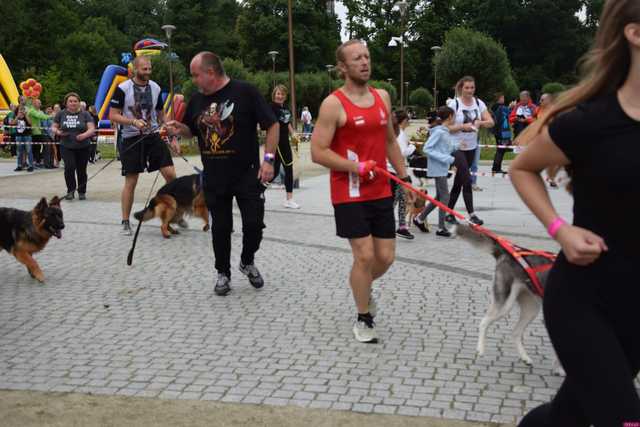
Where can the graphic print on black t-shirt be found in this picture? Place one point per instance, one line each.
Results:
(284, 115)
(216, 126)
(143, 107)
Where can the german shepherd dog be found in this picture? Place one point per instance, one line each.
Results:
(179, 197)
(511, 284)
(24, 233)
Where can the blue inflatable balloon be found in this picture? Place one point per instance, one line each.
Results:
(126, 57)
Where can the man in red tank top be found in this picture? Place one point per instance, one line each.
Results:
(353, 134)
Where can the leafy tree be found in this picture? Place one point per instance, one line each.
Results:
(553, 88)
(262, 26)
(421, 97)
(204, 25)
(53, 86)
(235, 69)
(160, 72)
(467, 52)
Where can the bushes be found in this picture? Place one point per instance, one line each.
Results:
(421, 97)
(467, 52)
(553, 88)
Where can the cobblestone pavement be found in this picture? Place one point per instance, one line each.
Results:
(156, 329)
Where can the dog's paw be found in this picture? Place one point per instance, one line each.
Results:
(39, 277)
(206, 227)
(480, 350)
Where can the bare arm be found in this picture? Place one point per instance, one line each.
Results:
(393, 149)
(525, 175)
(91, 129)
(265, 174)
(329, 118)
(116, 116)
(273, 135)
(580, 246)
(55, 128)
(486, 120)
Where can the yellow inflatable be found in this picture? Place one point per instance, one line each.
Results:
(8, 88)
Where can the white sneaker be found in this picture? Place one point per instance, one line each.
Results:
(289, 203)
(365, 333)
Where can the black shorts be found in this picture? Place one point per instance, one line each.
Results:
(150, 154)
(361, 219)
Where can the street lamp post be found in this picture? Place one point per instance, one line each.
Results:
(168, 30)
(406, 86)
(402, 7)
(435, 50)
(329, 70)
(273, 54)
(292, 79)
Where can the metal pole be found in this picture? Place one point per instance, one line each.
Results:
(292, 81)
(402, 69)
(435, 50)
(273, 54)
(435, 87)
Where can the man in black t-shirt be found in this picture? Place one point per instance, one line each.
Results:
(224, 116)
(137, 106)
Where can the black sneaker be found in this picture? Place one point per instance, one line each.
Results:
(255, 278)
(404, 233)
(474, 219)
(451, 219)
(223, 285)
(82, 196)
(422, 226)
(443, 233)
(69, 196)
(18, 169)
(126, 228)
(30, 169)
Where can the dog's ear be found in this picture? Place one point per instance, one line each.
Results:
(55, 201)
(41, 206)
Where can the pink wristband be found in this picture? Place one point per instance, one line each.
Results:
(555, 226)
(360, 167)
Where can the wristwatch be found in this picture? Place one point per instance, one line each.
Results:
(269, 158)
(406, 179)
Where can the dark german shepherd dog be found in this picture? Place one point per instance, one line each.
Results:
(181, 196)
(24, 233)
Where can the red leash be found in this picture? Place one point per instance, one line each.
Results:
(515, 251)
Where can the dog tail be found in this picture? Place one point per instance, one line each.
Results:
(478, 240)
(147, 213)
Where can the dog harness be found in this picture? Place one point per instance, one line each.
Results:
(535, 263)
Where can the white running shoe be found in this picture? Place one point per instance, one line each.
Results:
(290, 204)
(365, 333)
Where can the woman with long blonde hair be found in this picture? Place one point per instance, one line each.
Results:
(592, 293)
(284, 155)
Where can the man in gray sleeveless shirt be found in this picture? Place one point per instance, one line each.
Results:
(137, 106)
